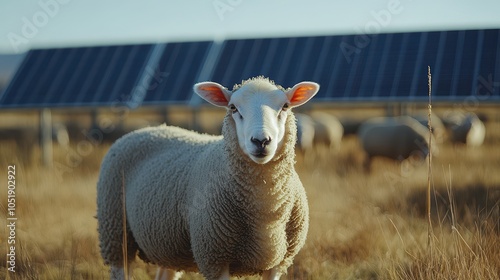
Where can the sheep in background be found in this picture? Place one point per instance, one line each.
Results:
(351, 125)
(222, 205)
(438, 128)
(328, 130)
(396, 138)
(60, 134)
(466, 128)
(305, 133)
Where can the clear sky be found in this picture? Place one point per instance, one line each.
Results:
(28, 24)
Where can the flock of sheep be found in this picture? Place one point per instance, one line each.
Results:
(230, 205)
(396, 138)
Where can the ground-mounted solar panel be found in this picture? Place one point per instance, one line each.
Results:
(131, 75)
(70, 77)
(371, 67)
(172, 78)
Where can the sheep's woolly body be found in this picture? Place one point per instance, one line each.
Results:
(467, 129)
(328, 130)
(395, 138)
(197, 202)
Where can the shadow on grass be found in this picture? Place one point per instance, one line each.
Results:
(468, 205)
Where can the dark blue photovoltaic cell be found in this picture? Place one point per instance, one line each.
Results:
(175, 74)
(409, 53)
(370, 70)
(344, 66)
(465, 73)
(393, 62)
(489, 68)
(420, 87)
(444, 78)
(380, 71)
(325, 64)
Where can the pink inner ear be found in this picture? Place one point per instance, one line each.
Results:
(301, 93)
(218, 97)
(214, 93)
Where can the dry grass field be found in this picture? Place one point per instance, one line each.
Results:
(363, 226)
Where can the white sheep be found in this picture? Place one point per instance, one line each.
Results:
(60, 134)
(221, 205)
(328, 130)
(438, 128)
(305, 132)
(396, 138)
(465, 128)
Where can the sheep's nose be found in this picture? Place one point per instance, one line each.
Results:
(261, 143)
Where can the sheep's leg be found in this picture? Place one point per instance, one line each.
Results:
(271, 274)
(167, 274)
(225, 274)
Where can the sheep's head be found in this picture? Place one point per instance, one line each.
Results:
(259, 109)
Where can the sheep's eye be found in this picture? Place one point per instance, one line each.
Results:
(285, 107)
(233, 108)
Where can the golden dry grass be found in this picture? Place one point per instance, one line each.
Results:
(363, 226)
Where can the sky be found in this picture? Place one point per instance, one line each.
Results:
(26, 24)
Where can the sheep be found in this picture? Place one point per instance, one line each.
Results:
(305, 132)
(60, 134)
(466, 128)
(396, 138)
(328, 130)
(351, 125)
(218, 205)
(438, 128)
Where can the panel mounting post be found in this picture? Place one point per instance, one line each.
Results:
(46, 137)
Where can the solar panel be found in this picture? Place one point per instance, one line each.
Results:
(171, 81)
(106, 76)
(69, 77)
(383, 67)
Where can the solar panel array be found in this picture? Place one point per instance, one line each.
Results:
(377, 67)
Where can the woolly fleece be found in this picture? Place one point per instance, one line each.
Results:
(396, 138)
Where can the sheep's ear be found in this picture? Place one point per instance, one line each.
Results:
(301, 93)
(213, 93)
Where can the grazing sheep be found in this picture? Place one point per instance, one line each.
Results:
(305, 137)
(305, 132)
(60, 134)
(351, 125)
(328, 130)
(466, 128)
(438, 128)
(221, 205)
(396, 138)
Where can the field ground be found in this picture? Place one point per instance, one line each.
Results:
(363, 226)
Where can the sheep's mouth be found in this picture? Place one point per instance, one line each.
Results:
(259, 155)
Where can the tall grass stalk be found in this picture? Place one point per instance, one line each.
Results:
(429, 171)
